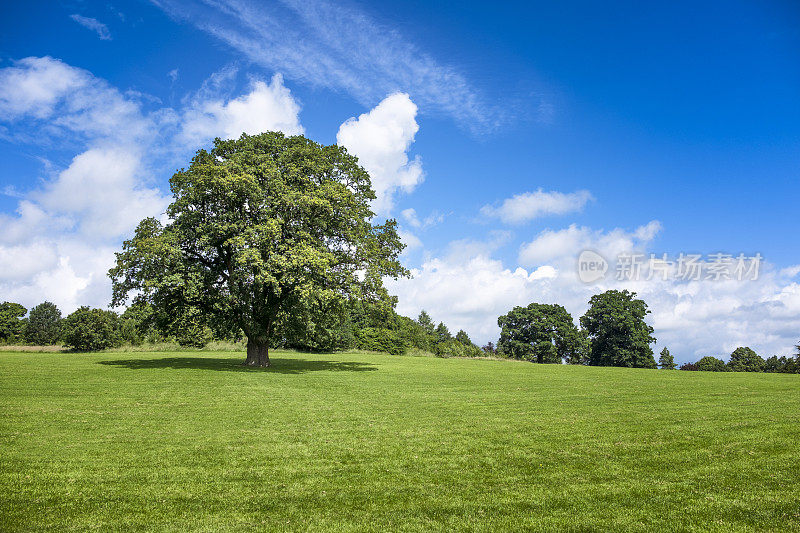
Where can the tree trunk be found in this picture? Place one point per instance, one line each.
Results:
(257, 353)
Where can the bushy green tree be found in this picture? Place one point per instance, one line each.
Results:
(258, 224)
(743, 359)
(665, 360)
(90, 330)
(783, 364)
(711, 364)
(455, 348)
(442, 334)
(425, 321)
(541, 333)
(11, 322)
(44, 325)
(617, 330)
(462, 337)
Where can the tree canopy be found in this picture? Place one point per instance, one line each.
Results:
(618, 332)
(11, 323)
(542, 333)
(744, 359)
(260, 227)
(44, 325)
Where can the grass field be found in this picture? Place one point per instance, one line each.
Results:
(359, 442)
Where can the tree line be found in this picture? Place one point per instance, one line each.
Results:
(611, 333)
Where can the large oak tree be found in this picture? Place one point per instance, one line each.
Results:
(258, 227)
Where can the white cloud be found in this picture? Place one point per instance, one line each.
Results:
(567, 243)
(411, 241)
(59, 98)
(339, 47)
(530, 205)
(267, 107)
(380, 139)
(412, 218)
(94, 25)
(468, 289)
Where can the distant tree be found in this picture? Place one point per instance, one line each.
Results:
(541, 333)
(666, 361)
(711, 364)
(44, 325)
(318, 325)
(454, 348)
(11, 323)
(256, 225)
(462, 337)
(743, 359)
(424, 320)
(580, 356)
(689, 366)
(442, 333)
(773, 364)
(90, 330)
(617, 330)
(489, 348)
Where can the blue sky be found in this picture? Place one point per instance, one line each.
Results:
(662, 127)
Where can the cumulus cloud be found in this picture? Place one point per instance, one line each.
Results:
(94, 25)
(380, 139)
(468, 289)
(566, 244)
(530, 205)
(267, 107)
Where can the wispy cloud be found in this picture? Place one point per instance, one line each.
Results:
(93, 24)
(339, 47)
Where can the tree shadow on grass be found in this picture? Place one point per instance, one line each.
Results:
(279, 365)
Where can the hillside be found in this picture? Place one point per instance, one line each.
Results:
(360, 441)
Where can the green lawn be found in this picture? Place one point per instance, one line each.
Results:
(354, 442)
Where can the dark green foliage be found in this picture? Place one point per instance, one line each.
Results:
(743, 359)
(618, 332)
(541, 333)
(442, 334)
(44, 325)
(455, 348)
(424, 320)
(462, 337)
(317, 325)
(380, 340)
(665, 360)
(11, 323)
(689, 366)
(783, 364)
(89, 330)
(489, 348)
(414, 335)
(711, 364)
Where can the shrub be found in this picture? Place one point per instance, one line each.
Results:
(454, 348)
(711, 364)
(380, 340)
(44, 325)
(689, 366)
(89, 330)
